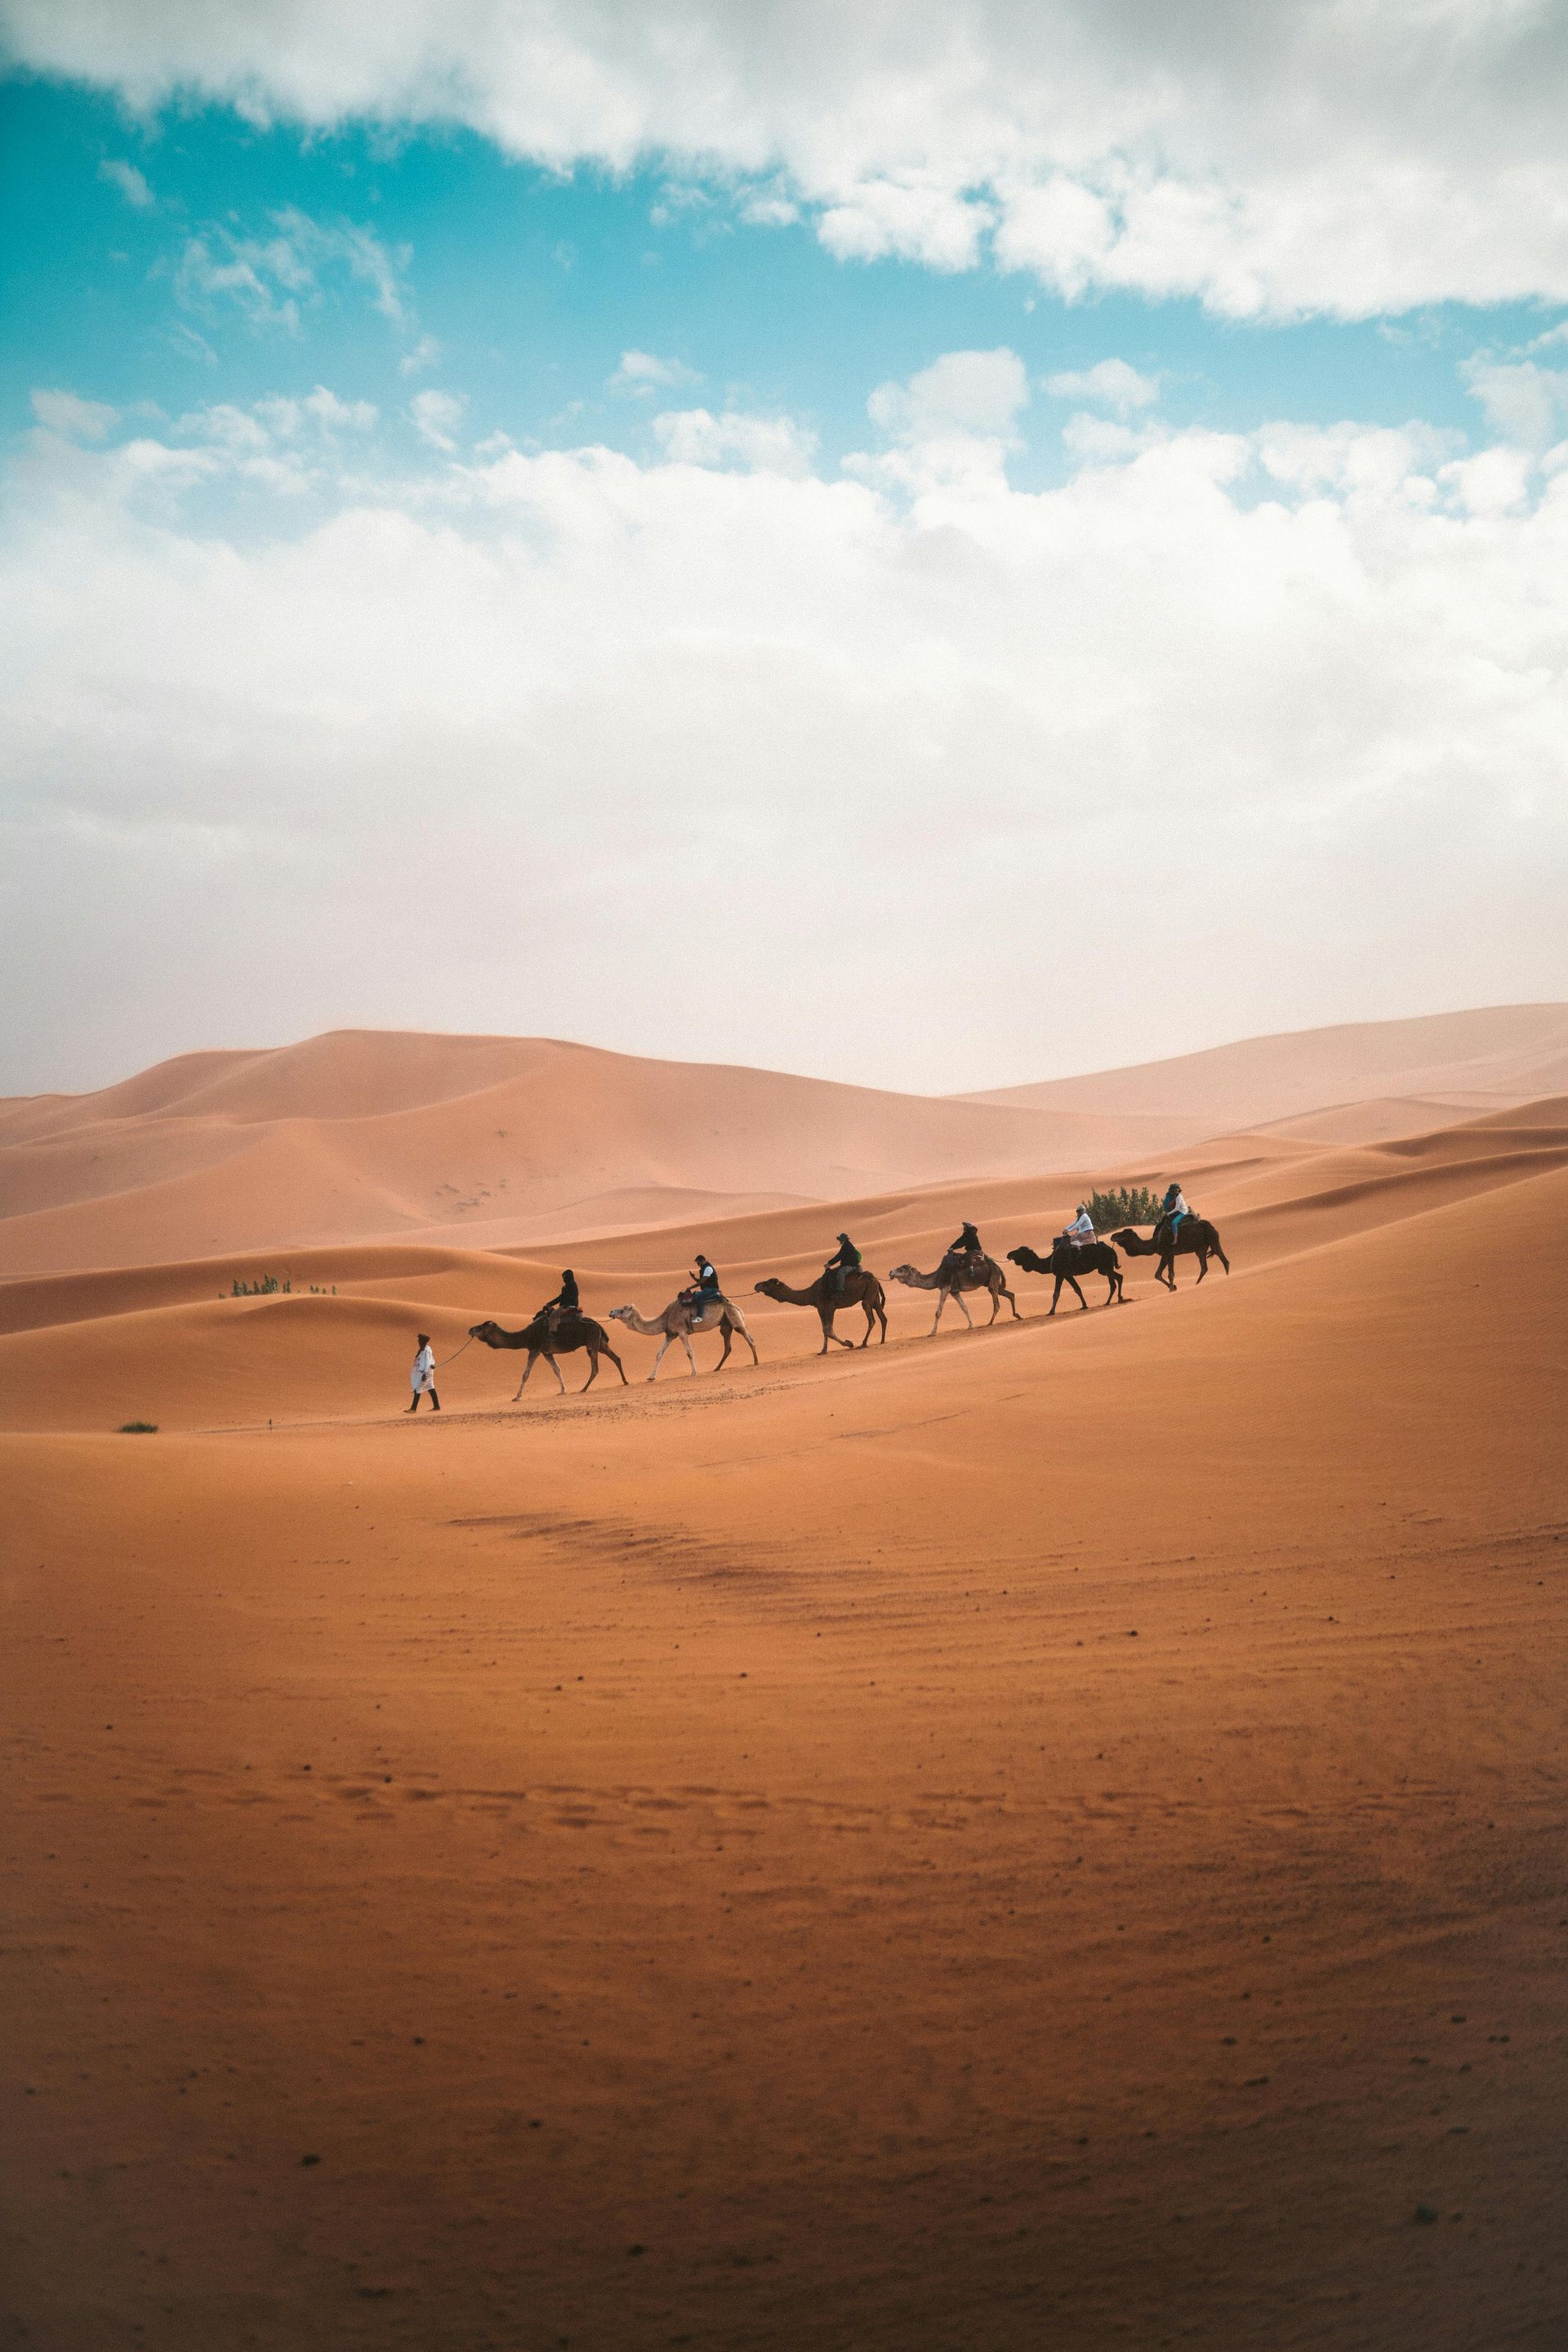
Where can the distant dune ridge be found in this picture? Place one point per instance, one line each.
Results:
(501, 1143)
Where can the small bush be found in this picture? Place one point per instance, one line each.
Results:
(138, 1428)
(1131, 1206)
(264, 1286)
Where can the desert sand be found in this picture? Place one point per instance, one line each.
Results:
(1050, 1836)
(497, 1143)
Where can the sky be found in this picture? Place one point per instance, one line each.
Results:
(932, 546)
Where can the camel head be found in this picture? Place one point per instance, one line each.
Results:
(771, 1288)
(622, 1314)
(485, 1332)
(903, 1273)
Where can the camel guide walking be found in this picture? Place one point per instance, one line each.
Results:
(421, 1378)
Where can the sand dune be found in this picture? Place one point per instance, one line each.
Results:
(495, 1143)
(88, 1351)
(1047, 1837)
(1470, 1061)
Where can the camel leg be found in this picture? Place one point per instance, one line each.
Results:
(753, 1345)
(827, 1314)
(882, 1319)
(1014, 1304)
(828, 1332)
(1054, 1295)
(618, 1365)
(593, 1371)
(659, 1357)
(725, 1335)
(1077, 1293)
(686, 1343)
(1202, 1264)
(870, 1327)
(942, 1299)
(532, 1360)
(556, 1370)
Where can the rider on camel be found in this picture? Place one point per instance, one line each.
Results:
(1173, 1209)
(968, 1244)
(706, 1282)
(846, 1260)
(1081, 1233)
(565, 1301)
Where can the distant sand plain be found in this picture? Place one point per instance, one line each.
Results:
(1050, 1837)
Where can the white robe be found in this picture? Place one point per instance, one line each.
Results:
(421, 1378)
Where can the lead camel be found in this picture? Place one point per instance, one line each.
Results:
(552, 1336)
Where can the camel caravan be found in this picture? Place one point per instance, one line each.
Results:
(560, 1327)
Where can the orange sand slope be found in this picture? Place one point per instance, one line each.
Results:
(1050, 1838)
(362, 1135)
(163, 1343)
(495, 1143)
(1484, 1060)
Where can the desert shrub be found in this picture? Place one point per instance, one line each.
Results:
(138, 1428)
(1131, 1206)
(264, 1286)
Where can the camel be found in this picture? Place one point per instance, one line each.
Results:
(681, 1319)
(1065, 1263)
(857, 1286)
(956, 1275)
(561, 1336)
(1195, 1237)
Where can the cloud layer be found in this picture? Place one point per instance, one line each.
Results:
(865, 769)
(1340, 156)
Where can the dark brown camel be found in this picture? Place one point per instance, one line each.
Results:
(860, 1287)
(1195, 1237)
(552, 1336)
(1066, 1262)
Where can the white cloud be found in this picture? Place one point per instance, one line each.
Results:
(643, 372)
(953, 423)
(916, 214)
(1109, 383)
(425, 353)
(438, 416)
(1526, 404)
(969, 392)
(75, 419)
(131, 183)
(1287, 709)
(1344, 158)
(270, 278)
(771, 444)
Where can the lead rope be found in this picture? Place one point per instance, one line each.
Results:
(454, 1356)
